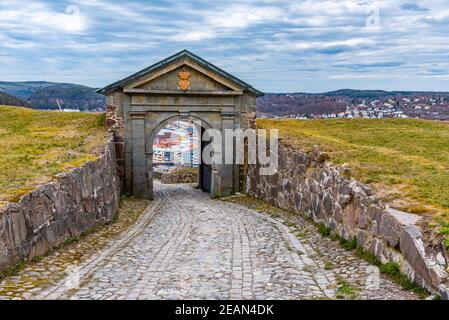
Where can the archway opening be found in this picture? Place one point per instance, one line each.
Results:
(177, 149)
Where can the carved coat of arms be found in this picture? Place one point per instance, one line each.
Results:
(184, 80)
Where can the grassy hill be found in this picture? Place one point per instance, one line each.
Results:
(36, 145)
(407, 158)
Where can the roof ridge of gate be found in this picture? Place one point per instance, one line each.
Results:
(179, 55)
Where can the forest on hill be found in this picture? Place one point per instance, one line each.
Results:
(9, 100)
(47, 95)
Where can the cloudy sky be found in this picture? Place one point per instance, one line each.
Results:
(277, 46)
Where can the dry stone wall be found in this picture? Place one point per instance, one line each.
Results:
(182, 175)
(308, 183)
(46, 217)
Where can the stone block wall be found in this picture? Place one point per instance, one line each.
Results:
(308, 183)
(181, 175)
(62, 209)
(114, 123)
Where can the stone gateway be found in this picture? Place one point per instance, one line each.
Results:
(186, 87)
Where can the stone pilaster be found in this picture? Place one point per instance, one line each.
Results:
(140, 166)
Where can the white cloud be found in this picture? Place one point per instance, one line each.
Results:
(310, 37)
(36, 17)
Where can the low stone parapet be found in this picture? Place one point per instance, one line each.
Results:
(308, 183)
(178, 175)
(74, 202)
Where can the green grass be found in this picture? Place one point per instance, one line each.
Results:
(346, 290)
(348, 245)
(37, 145)
(392, 270)
(406, 158)
(369, 257)
(323, 230)
(12, 271)
(446, 243)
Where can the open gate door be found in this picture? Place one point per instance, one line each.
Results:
(205, 178)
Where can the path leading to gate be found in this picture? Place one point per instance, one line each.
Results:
(187, 246)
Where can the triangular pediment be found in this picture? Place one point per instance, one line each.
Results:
(168, 79)
(164, 75)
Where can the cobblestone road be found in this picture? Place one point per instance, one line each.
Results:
(187, 246)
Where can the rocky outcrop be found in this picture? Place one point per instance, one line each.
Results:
(75, 202)
(308, 183)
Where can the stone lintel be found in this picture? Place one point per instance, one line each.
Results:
(184, 107)
(228, 115)
(185, 93)
(137, 115)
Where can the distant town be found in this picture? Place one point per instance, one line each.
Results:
(305, 106)
(177, 144)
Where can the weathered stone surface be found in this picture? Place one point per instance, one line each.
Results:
(404, 218)
(443, 291)
(3, 253)
(326, 194)
(409, 241)
(391, 223)
(390, 229)
(75, 202)
(182, 175)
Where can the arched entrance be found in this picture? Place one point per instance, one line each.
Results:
(182, 86)
(204, 170)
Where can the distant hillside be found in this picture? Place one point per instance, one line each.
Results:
(44, 95)
(9, 100)
(298, 103)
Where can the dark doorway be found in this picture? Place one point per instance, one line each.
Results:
(205, 174)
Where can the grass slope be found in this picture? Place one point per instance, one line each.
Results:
(408, 158)
(36, 145)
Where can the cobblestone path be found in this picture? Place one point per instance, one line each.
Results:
(187, 246)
